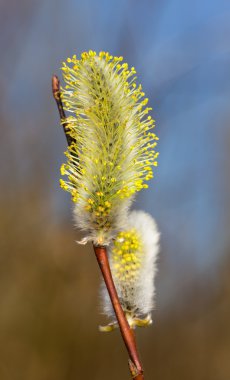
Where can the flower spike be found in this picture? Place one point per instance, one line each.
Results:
(113, 150)
(132, 260)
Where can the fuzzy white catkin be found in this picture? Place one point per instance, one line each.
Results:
(112, 154)
(136, 295)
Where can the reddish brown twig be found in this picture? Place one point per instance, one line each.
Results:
(134, 372)
(57, 97)
(101, 255)
(126, 332)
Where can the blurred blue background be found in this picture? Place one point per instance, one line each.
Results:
(181, 52)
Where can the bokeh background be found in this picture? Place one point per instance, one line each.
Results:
(49, 303)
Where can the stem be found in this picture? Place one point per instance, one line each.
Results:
(126, 332)
(57, 97)
(102, 258)
(134, 372)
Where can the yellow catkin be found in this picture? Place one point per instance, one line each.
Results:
(126, 255)
(113, 150)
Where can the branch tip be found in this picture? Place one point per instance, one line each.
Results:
(57, 97)
(55, 86)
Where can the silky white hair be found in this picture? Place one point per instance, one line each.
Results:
(137, 298)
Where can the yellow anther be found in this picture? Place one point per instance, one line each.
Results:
(90, 201)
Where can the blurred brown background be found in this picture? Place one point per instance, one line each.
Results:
(49, 301)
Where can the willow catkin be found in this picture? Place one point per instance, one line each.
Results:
(132, 258)
(113, 149)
